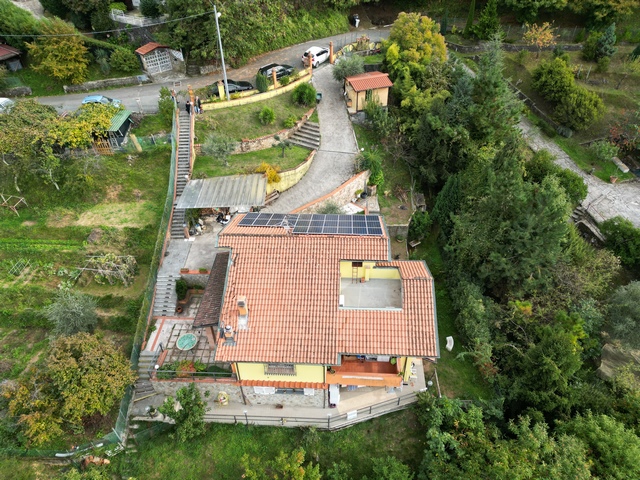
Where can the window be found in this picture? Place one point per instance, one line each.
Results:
(289, 391)
(279, 369)
(368, 95)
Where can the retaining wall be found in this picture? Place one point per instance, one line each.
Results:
(109, 82)
(289, 178)
(289, 399)
(170, 387)
(16, 92)
(341, 195)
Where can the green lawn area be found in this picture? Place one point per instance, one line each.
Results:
(245, 163)
(242, 122)
(373, 59)
(458, 377)
(397, 179)
(217, 453)
(151, 124)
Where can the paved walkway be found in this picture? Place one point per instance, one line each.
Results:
(604, 200)
(333, 164)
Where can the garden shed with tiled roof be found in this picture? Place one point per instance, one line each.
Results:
(362, 88)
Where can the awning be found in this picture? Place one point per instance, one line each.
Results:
(118, 119)
(238, 193)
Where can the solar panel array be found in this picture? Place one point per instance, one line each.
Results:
(315, 224)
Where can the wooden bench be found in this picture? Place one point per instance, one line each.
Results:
(414, 243)
(449, 346)
(271, 197)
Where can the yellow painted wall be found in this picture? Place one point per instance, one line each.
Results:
(289, 178)
(305, 77)
(368, 271)
(304, 373)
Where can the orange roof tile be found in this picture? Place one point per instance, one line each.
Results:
(292, 285)
(369, 81)
(150, 47)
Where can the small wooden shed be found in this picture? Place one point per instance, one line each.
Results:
(156, 58)
(362, 88)
(10, 57)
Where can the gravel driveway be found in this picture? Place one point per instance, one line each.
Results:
(333, 164)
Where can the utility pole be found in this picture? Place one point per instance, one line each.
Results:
(224, 70)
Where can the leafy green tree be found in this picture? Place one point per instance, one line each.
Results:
(468, 28)
(61, 55)
(612, 450)
(380, 120)
(124, 60)
(602, 12)
(188, 410)
(188, 29)
(488, 25)
(55, 7)
(219, 146)
(553, 79)
(390, 468)
(17, 21)
(542, 36)
(527, 10)
(72, 312)
(348, 66)
(150, 8)
(542, 165)
(624, 314)
(78, 131)
(304, 94)
(605, 46)
(448, 204)
(623, 239)
(166, 106)
(590, 46)
(420, 225)
(282, 143)
(579, 108)
(339, 471)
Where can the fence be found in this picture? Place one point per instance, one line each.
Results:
(121, 17)
(330, 422)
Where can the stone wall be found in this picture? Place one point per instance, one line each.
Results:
(398, 230)
(170, 387)
(196, 279)
(289, 178)
(341, 195)
(109, 82)
(16, 92)
(287, 399)
(509, 47)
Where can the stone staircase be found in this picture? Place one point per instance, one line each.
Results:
(143, 387)
(308, 135)
(184, 171)
(164, 304)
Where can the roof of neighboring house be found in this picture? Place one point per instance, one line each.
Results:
(292, 286)
(369, 81)
(150, 47)
(7, 52)
(118, 119)
(211, 303)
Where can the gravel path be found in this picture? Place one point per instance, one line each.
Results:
(604, 200)
(333, 164)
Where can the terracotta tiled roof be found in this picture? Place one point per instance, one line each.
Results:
(211, 303)
(150, 47)
(279, 384)
(7, 52)
(369, 81)
(292, 285)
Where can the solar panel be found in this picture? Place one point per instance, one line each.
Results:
(316, 224)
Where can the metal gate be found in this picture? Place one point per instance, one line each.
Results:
(158, 61)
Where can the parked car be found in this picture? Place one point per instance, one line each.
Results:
(101, 99)
(6, 104)
(281, 70)
(234, 87)
(318, 56)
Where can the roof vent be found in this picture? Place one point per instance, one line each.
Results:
(229, 335)
(243, 313)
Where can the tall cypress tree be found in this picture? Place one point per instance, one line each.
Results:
(468, 28)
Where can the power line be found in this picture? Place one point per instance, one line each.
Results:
(109, 31)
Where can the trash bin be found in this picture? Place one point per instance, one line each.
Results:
(356, 20)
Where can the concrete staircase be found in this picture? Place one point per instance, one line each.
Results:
(143, 387)
(308, 135)
(164, 304)
(184, 170)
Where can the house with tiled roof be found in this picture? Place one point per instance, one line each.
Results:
(365, 87)
(304, 307)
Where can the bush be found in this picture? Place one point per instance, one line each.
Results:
(420, 225)
(150, 8)
(118, 6)
(305, 94)
(605, 46)
(330, 208)
(181, 288)
(636, 53)
(580, 36)
(286, 80)
(624, 314)
(262, 83)
(371, 161)
(603, 64)
(267, 116)
(124, 60)
(579, 108)
(522, 56)
(166, 106)
(590, 46)
(553, 79)
(71, 313)
(623, 239)
(542, 165)
(603, 150)
(270, 171)
(290, 121)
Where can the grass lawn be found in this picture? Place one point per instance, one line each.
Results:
(373, 59)
(245, 163)
(397, 180)
(217, 454)
(151, 124)
(242, 122)
(458, 377)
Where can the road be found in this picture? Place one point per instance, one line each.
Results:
(144, 98)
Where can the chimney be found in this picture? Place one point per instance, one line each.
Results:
(243, 313)
(229, 335)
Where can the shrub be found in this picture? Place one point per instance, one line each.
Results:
(603, 150)
(605, 46)
(150, 8)
(166, 106)
(181, 288)
(347, 67)
(286, 80)
(262, 83)
(580, 36)
(624, 314)
(267, 116)
(124, 60)
(371, 161)
(330, 208)
(290, 121)
(118, 6)
(553, 79)
(623, 239)
(270, 171)
(305, 94)
(579, 108)
(590, 46)
(420, 225)
(603, 64)
(72, 312)
(488, 24)
(636, 53)
(522, 56)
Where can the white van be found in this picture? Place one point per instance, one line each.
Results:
(6, 104)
